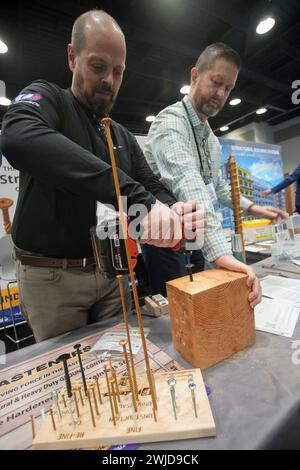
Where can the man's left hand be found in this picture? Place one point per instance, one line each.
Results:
(268, 212)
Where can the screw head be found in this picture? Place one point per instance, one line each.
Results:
(171, 381)
(192, 385)
(63, 357)
(77, 346)
(123, 342)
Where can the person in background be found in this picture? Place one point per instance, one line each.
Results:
(184, 153)
(293, 178)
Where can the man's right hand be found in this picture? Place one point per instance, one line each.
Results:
(232, 264)
(161, 227)
(266, 192)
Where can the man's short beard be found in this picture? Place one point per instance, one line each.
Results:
(209, 111)
(102, 109)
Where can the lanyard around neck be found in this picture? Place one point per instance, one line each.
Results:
(197, 146)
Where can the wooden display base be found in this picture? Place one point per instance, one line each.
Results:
(211, 317)
(133, 427)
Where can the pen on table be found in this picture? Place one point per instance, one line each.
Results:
(276, 274)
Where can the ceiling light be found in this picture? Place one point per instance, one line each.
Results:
(261, 111)
(224, 128)
(265, 25)
(3, 47)
(185, 89)
(4, 101)
(235, 102)
(150, 118)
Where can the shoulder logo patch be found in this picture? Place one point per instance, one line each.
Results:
(27, 97)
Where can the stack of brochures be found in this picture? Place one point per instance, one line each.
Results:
(280, 307)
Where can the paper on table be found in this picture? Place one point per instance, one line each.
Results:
(281, 288)
(110, 340)
(276, 316)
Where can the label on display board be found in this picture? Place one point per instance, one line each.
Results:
(9, 189)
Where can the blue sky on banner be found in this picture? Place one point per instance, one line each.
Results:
(264, 161)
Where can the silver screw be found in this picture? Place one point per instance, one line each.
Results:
(56, 404)
(69, 404)
(171, 383)
(192, 387)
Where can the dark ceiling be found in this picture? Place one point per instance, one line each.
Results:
(164, 39)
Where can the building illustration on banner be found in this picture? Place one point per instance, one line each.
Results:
(259, 167)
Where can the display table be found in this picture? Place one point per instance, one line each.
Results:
(255, 395)
(254, 253)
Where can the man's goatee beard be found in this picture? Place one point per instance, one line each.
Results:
(208, 111)
(103, 111)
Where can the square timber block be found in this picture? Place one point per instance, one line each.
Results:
(211, 317)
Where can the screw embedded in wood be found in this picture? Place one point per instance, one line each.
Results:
(64, 359)
(64, 400)
(69, 404)
(171, 383)
(98, 390)
(52, 419)
(56, 404)
(192, 387)
(32, 426)
(114, 394)
(77, 348)
(123, 343)
(91, 409)
(76, 404)
(109, 396)
(92, 388)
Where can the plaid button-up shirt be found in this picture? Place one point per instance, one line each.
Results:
(171, 152)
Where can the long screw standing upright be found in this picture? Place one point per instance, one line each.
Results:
(77, 348)
(64, 359)
(106, 122)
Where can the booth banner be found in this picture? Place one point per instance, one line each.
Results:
(259, 168)
(9, 188)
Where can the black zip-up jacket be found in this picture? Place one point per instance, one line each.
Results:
(64, 166)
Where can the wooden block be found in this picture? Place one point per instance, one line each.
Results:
(211, 317)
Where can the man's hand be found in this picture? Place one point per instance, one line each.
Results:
(266, 192)
(232, 264)
(269, 212)
(161, 227)
(192, 217)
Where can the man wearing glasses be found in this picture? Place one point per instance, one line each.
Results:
(184, 152)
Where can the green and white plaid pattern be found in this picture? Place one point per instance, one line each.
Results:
(171, 152)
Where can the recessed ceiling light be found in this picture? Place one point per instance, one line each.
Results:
(4, 101)
(150, 118)
(235, 102)
(3, 47)
(261, 111)
(185, 89)
(265, 25)
(224, 128)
